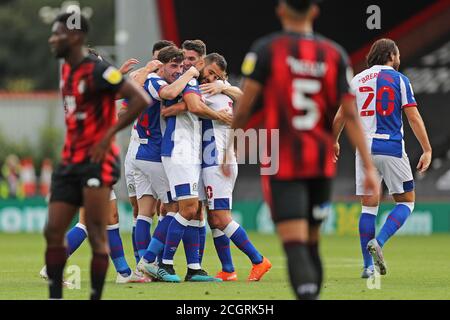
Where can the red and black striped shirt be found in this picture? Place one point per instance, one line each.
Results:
(88, 92)
(305, 77)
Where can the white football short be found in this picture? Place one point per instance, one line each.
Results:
(130, 167)
(219, 188)
(151, 179)
(184, 178)
(395, 172)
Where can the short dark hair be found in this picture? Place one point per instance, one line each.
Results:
(300, 6)
(380, 52)
(161, 44)
(217, 59)
(171, 54)
(196, 45)
(64, 19)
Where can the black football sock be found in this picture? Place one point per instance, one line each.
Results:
(315, 258)
(99, 267)
(55, 260)
(302, 273)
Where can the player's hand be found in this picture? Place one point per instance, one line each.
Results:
(212, 88)
(225, 116)
(153, 65)
(193, 72)
(225, 167)
(337, 151)
(99, 151)
(371, 181)
(128, 65)
(424, 162)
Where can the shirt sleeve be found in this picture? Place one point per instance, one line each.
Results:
(107, 77)
(408, 99)
(153, 87)
(256, 64)
(345, 76)
(192, 87)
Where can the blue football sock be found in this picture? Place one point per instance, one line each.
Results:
(202, 237)
(116, 251)
(156, 246)
(239, 237)
(143, 237)
(366, 233)
(75, 238)
(191, 245)
(133, 240)
(222, 245)
(174, 235)
(394, 221)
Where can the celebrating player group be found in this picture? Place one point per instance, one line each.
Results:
(181, 163)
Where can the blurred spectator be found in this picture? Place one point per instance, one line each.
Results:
(46, 177)
(28, 177)
(11, 174)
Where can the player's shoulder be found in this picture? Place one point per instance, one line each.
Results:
(155, 79)
(192, 83)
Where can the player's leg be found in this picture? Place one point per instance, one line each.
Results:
(369, 211)
(156, 247)
(319, 209)
(76, 236)
(97, 206)
(201, 228)
(65, 199)
(146, 204)
(59, 218)
(314, 251)
(397, 217)
(187, 211)
(159, 185)
(222, 246)
(398, 177)
(222, 220)
(115, 244)
(131, 188)
(289, 202)
(134, 206)
(144, 221)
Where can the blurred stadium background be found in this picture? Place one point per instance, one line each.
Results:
(31, 115)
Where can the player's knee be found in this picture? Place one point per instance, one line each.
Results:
(189, 212)
(219, 221)
(54, 235)
(98, 240)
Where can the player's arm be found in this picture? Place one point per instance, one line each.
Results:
(174, 89)
(140, 75)
(355, 134)
(138, 100)
(174, 110)
(221, 87)
(128, 65)
(195, 105)
(418, 127)
(338, 126)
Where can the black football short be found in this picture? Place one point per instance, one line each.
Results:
(69, 180)
(298, 199)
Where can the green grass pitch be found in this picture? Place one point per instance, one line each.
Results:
(418, 268)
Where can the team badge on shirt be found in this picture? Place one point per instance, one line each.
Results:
(248, 66)
(112, 75)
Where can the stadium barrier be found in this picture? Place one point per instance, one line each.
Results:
(29, 215)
